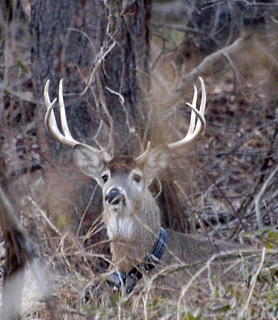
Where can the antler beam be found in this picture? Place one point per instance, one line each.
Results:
(50, 121)
(196, 128)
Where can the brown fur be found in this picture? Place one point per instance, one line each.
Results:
(140, 214)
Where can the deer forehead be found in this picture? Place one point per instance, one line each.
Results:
(121, 165)
(123, 172)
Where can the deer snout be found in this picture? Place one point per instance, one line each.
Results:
(115, 197)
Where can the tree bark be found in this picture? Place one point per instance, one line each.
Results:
(102, 55)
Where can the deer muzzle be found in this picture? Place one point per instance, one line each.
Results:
(114, 197)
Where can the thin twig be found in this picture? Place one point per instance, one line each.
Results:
(259, 196)
(45, 216)
(253, 283)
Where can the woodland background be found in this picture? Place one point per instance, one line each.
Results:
(128, 69)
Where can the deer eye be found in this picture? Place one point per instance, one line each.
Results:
(104, 177)
(137, 177)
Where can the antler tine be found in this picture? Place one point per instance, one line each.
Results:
(50, 120)
(142, 155)
(195, 129)
(65, 136)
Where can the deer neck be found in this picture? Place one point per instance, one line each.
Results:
(118, 278)
(132, 236)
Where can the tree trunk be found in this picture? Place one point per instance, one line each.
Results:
(102, 55)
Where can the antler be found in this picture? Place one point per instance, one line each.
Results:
(65, 136)
(50, 120)
(195, 129)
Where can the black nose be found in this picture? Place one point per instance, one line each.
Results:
(114, 197)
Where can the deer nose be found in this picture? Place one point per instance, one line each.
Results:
(114, 197)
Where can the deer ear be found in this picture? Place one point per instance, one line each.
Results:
(88, 161)
(155, 160)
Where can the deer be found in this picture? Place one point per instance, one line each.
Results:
(138, 242)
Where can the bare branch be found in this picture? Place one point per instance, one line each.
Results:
(207, 62)
(257, 200)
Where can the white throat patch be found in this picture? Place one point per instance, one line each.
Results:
(119, 227)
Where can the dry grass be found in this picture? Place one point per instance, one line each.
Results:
(54, 287)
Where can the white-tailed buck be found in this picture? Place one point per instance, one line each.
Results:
(131, 215)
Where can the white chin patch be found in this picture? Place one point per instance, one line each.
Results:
(119, 226)
(116, 209)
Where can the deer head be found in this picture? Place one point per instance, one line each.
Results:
(130, 212)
